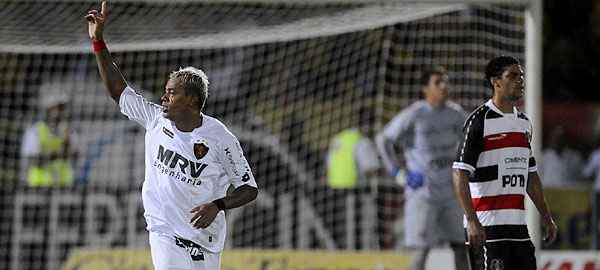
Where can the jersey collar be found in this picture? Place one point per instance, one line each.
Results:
(195, 134)
(490, 104)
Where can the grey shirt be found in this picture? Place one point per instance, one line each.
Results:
(428, 138)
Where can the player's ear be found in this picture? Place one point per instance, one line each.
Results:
(424, 90)
(192, 101)
(494, 82)
(187, 99)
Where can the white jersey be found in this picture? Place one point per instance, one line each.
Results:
(184, 170)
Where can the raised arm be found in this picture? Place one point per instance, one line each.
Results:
(110, 73)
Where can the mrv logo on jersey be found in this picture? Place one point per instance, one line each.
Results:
(188, 171)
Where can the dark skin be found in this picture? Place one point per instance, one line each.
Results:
(508, 89)
(178, 107)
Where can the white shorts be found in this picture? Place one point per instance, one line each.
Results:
(428, 224)
(170, 253)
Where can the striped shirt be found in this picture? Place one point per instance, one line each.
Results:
(496, 152)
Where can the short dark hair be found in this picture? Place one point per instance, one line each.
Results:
(497, 66)
(427, 73)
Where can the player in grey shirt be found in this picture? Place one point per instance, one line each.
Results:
(420, 143)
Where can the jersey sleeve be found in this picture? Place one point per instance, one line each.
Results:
(234, 163)
(137, 108)
(532, 163)
(460, 120)
(471, 144)
(398, 128)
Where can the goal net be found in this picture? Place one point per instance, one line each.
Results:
(286, 77)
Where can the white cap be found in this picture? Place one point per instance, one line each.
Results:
(54, 93)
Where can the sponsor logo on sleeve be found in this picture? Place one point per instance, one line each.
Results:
(231, 161)
(167, 132)
(246, 177)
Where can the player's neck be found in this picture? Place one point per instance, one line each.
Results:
(433, 103)
(503, 104)
(188, 124)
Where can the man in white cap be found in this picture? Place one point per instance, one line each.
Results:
(46, 148)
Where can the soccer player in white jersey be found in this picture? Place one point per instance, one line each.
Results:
(493, 172)
(428, 132)
(191, 160)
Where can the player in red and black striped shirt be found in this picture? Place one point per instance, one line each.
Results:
(494, 170)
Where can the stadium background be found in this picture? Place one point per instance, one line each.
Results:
(285, 84)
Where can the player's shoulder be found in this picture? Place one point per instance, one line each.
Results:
(406, 114)
(522, 115)
(453, 106)
(416, 108)
(478, 115)
(418, 105)
(216, 129)
(480, 112)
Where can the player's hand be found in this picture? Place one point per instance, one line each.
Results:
(551, 230)
(475, 233)
(204, 215)
(415, 180)
(96, 22)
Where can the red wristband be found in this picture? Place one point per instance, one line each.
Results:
(98, 45)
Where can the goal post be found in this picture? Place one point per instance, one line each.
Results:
(533, 99)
